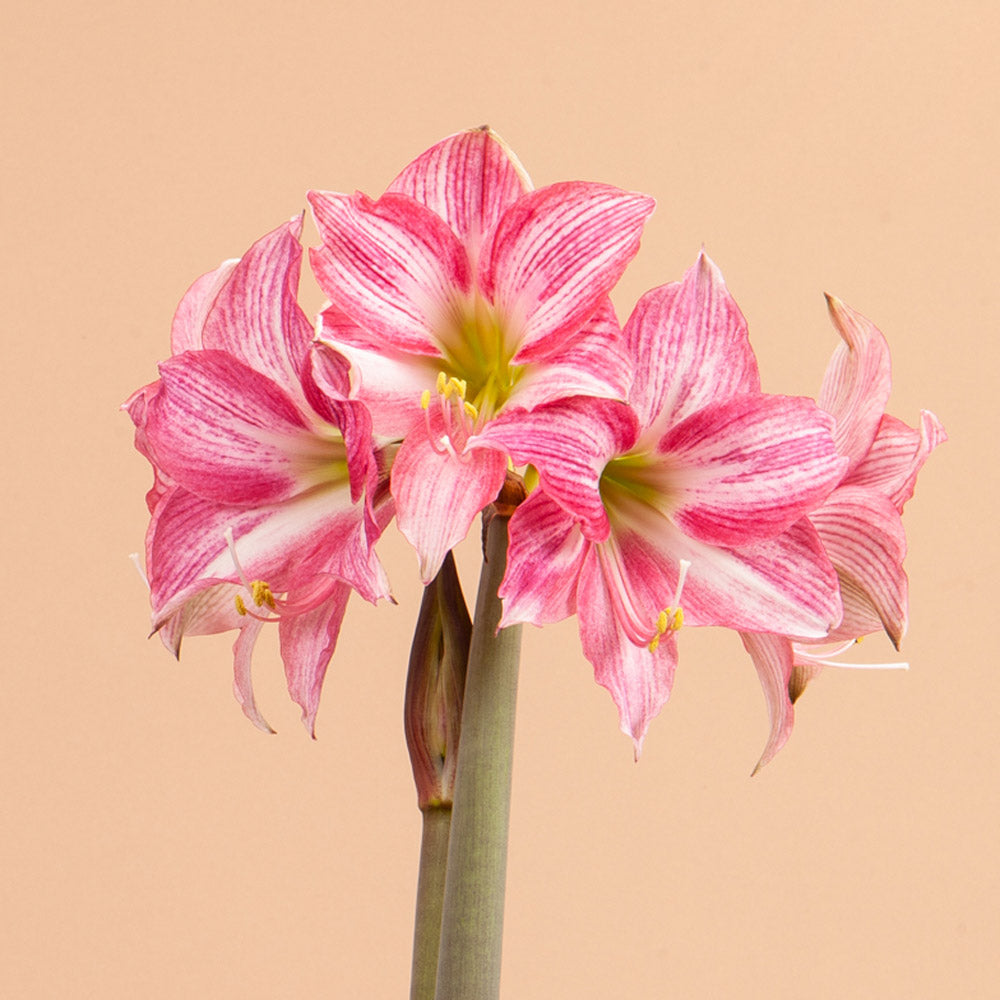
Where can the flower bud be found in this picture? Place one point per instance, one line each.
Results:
(435, 685)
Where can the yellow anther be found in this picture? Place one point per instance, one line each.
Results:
(654, 643)
(442, 381)
(262, 594)
(425, 399)
(662, 624)
(678, 620)
(470, 410)
(458, 385)
(241, 608)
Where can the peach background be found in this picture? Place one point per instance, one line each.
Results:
(153, 844)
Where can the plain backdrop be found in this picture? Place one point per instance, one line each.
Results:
(154, 844)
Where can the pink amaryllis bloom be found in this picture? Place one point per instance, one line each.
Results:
(691, 496)
(860, 523)
(262, 507)
(462, 296)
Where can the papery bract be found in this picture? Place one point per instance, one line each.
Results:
(700, 472)
(264, 501)
(860, 523)
(462, 296)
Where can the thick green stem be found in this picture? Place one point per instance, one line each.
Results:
(430, 900)
(472, 924)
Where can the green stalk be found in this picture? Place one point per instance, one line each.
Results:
(430, 898)
(472, 924)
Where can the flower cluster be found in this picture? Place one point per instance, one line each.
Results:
(469, 333)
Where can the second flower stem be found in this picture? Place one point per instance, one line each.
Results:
(472, 925)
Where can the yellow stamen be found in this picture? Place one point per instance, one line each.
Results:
(425, 399)
(241, 608)
(470, 410)
(262, 594)
(654, 643)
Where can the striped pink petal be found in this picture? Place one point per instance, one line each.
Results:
(553, 257)
(569, 442)
(857, 381)
(772, 657)
(189, 317)
(469, 179)
(749, 467)
(255, 316)
(638, 678)
(439, 492)
(392, 265)
(308, 641)
(897, 455)
(592, 362)
(225, 431)
(690, 347)
(863, 535)
(542, 534)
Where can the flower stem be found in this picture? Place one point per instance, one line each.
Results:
(430, 899)
(472, 924)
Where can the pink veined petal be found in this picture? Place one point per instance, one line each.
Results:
(318, 532)
(388, 382)
(307, 644)
(189, 317)
(225, 431)
(324, 376)
(438, 494)
(255, 316)
(749, 467)
(639, 679)
(242, 683)
(690, 348)
(857, 381)
(592, 362)
(569, 442)
(469, 179)
(392, 265)
(897, 455)
(862, 533)
(553, 257)
(772, 656)
(207, 611)
(542, 534)
(784, 584)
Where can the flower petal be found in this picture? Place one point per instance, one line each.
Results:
(225, 431)
(857, 381)
(689, 344)
(553, 257)
(392, 265)
(542, 534)
(639, 679)
(749, 467)
(569, 442)
(863, 535)
(772, 656)
(592, 362)
(897, 455)
(438, 494)
(189, 317)
(242, 684)
(307, 644)
(469, 179)
(388, 382)
(784, 584)
(255, 316)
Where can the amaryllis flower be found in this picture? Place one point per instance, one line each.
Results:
(860, 523)
(265, 476)
(461, 296)
(687, 505)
